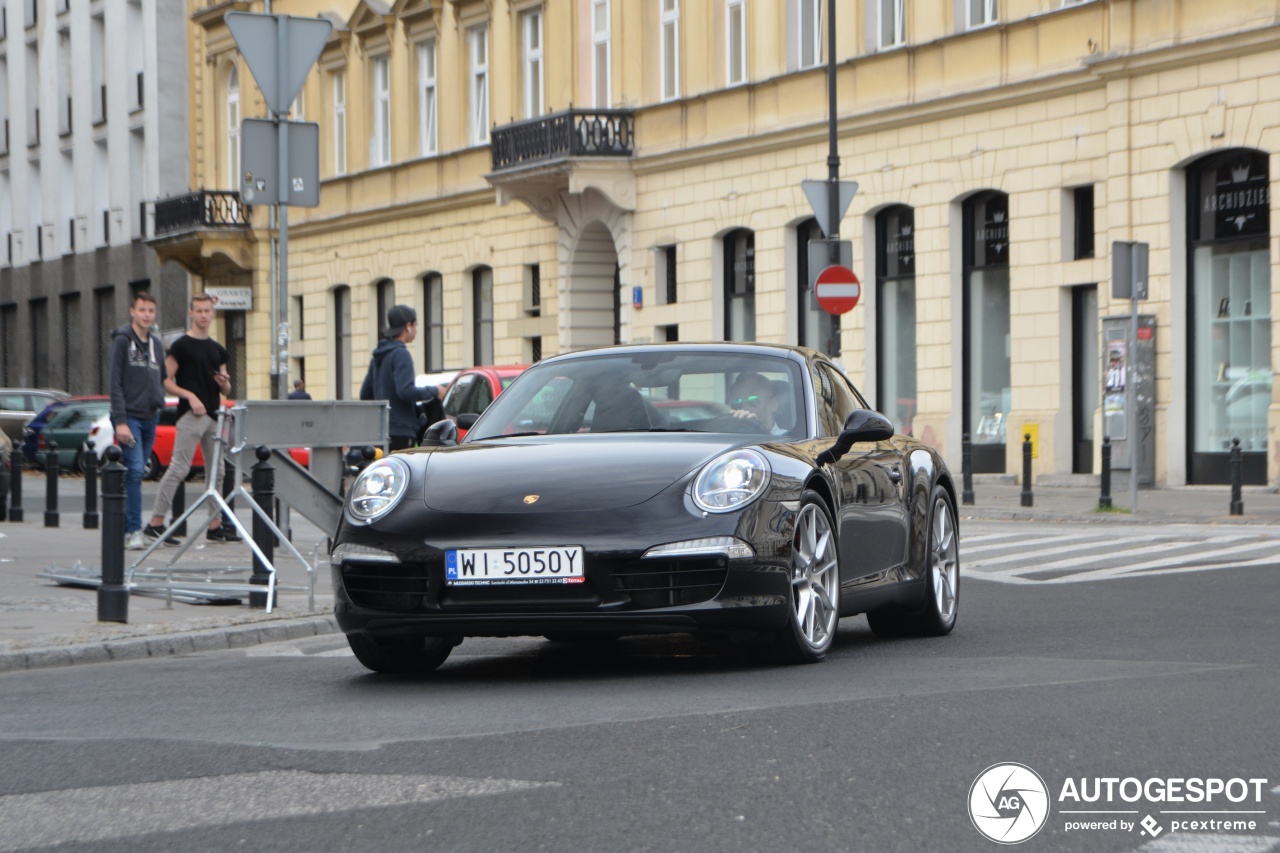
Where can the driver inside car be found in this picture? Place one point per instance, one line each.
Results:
(751, 397)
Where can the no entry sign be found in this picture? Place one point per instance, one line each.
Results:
(837, 289)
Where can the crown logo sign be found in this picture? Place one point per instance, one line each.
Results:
(906, 230)
(998, 216)
(1240, 174)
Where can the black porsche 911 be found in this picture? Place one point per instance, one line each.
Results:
(579, 506)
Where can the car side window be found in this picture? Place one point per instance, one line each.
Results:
(843, 398)
(456, 399)
(482, 397)
(829, 423)
(13, 401)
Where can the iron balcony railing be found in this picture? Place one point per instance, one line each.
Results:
(572, 133)
(202, 209)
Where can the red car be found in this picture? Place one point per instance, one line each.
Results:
(474, 389)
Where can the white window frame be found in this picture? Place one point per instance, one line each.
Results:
(809, 52)
(380, 138)
(670, 81)
(428, 108)
(981, 13)
(896, 11)
(478, 83)
(340, 122)
(532, 66)
(735, 76)
(601, 28)
(233, 126)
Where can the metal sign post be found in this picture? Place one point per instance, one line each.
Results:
(1129, 262)
(280, 51)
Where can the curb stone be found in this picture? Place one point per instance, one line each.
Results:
(170, 645)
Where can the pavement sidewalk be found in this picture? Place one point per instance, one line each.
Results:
(44, 624)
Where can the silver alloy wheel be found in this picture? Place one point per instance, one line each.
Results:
(814, 577)
(944, 562)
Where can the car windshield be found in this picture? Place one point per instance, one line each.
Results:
(678, 390)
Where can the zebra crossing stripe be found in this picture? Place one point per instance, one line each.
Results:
(1021, 555)
(1113, 553)
(1125, 572)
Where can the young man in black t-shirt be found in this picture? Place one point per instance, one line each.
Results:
(197, 366)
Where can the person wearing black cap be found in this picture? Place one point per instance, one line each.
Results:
(390, 377)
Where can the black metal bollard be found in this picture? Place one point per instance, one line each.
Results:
(51, 472)
(89, 462)
(966, 466)
(113, 595)
(1104, 499)
(1237, 477)
(15, 486)
(179, 506)
(264, 483)
(1028, 499)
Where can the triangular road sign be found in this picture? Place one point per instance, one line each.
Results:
(280, 50)
(816, 192)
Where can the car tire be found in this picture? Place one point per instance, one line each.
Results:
(401, 654)
(815, 585)
(936, 615)
(153, 470)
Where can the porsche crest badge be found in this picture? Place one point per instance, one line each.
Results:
(531, 499)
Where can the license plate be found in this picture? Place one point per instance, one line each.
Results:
(492, 566)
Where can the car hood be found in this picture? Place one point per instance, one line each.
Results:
(566, 473)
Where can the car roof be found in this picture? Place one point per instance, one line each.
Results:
(52, 392)
(735, 347)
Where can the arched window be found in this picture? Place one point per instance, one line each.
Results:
(342, 342)
(896, 315)
(384, 298)
(482, 315)
(988, 394)
(431, 326)
(740, 285)
(1229, 305)
(817, 328)
(233, 127)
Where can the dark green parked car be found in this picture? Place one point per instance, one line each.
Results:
(69, 427)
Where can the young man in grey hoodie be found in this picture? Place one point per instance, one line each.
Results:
(136, 383)
(391, 377)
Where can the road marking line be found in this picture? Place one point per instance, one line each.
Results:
(115, 812)
(1035, 547)
(1114, 554)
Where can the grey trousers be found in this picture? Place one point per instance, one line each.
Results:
(193, 430)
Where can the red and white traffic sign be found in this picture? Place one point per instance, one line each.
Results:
(837, 289)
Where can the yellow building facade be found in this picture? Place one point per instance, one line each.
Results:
(537, 176)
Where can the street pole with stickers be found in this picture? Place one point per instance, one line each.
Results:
(1129, 263)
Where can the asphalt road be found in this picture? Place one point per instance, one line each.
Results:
(667, 744)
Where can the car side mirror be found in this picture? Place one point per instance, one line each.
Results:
(467, 420)
(440, 434)
(861, 425)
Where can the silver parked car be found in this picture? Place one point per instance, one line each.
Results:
(19, 405)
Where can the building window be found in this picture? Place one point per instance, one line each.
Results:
(342, 342)
(384, 298)
(740, 285)
(1082, 221)
(380, 142)
(896, 315)
(533, 349)
(478, 39)
(818, 329)
(233, 127)
(1230, 365)
(533, 290)
(668, 293)
(427, 98)
(670, 45)
(987, 345)
(339, 122)
(810, 33)
(482, 315)
(982, 13)
(735, 15)
(601, 70)
(38, 313)
(432, 325)
(892, 27)
(531, 61)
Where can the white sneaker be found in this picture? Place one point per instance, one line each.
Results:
(134, 541)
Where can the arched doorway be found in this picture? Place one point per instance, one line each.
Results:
(592, 312)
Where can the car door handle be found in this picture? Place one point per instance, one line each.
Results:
(895, 475)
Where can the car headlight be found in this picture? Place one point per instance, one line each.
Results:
(731, 481)
(378, 488)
